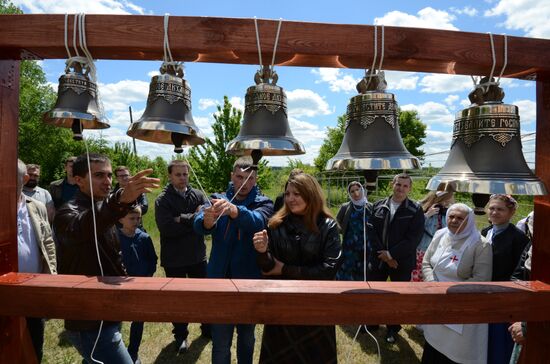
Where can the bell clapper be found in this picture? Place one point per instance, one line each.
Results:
(177, 139)
(76, 127)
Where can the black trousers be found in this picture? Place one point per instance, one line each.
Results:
(36, 330)
(189, 271)
(380, 272)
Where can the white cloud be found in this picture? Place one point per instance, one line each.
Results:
(119, 95)
(153, 73)
(338, 81)
(207, 103)
(398, 80)
(467, 10)
(432, 113)
(527, 111)
(530, 16)
(306, 132)
(79, 6)
(451, 99)
(425, 18)
(465, 103)
(306, 103)
(443, 83)
(237, 102)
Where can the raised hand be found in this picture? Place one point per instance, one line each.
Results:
(137, 185)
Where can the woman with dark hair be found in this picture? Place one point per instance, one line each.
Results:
(508, 243)
(301, 242)
(435, 206)
(457, 253)
(352, 218)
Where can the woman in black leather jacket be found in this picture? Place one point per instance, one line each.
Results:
(302, 242)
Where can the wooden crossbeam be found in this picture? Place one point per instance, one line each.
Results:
(270, 301)
(233, 40)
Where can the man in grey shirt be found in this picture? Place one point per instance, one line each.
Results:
(33, 190)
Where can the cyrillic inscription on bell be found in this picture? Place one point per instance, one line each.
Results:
(77, 99)
(372, 140)
(486, 152)
(265, 125)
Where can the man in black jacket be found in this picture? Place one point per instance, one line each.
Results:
(395, 229)
(182, 251)
(78, 250)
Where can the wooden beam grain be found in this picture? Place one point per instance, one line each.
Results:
(232, 40)
(270, 301)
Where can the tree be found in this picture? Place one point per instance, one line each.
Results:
(413, 132)
(210, 161)
(411, 128)
(331, 144)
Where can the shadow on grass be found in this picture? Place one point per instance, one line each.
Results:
(397, 353)
(169, 353)
(63, 339)
(415, 335)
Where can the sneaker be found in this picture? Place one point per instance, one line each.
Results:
(182, 348)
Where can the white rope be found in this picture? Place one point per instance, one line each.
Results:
(381, 49)
(84, 46)
(258, 42)
(65, 36)
(505, 58)
(276, 43)
(75, 30)
(239, 190)
(198, 182)
(371, 71)
(167, 52)
(96, 243)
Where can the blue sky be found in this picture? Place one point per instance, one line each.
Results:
(316, 96)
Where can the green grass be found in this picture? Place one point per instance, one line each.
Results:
(156, 346)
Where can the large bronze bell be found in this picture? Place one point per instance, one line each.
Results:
(77, 104)
(485, 155)
(167, 117)
(372, 140)
(265, 124)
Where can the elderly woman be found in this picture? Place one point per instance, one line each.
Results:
(302, 242)
(508, 243)
(435, 206)
(352, 218)
(457, 253)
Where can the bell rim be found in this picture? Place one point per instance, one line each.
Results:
(161, 131)
(64, 118)
(369, 163)
(472, 183)
(269, 146)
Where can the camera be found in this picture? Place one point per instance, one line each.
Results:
(442, 209)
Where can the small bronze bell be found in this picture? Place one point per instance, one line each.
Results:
(485, 155)
(77, 104)
(167, 117)
(265, 124)
(372, 140)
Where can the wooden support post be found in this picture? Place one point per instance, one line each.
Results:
(13, 330)
(538, 333)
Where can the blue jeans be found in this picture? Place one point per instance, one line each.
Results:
(222, 336)
(110, 347)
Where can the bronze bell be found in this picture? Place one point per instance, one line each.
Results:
(485, 155)
(167, 117)
(372, 140)
(265, 124)
(77, 103)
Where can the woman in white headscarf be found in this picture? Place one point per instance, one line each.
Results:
(457, 253)
(352, 219)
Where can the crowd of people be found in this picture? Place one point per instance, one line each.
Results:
(394, 238)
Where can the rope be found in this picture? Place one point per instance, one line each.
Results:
(505, 57)
(198, 182)
(274, 46)
(239, 190)
(258, 42)
(276, 43)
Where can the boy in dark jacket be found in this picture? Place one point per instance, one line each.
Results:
(140, 259)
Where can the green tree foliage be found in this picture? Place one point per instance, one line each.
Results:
(411, 128)
(211, 163)
(7, 7)
(331, 144)
(413, 132)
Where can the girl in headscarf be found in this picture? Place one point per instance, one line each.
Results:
(457, 253)
(435, 206)
(352, 219)
(508, 243)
